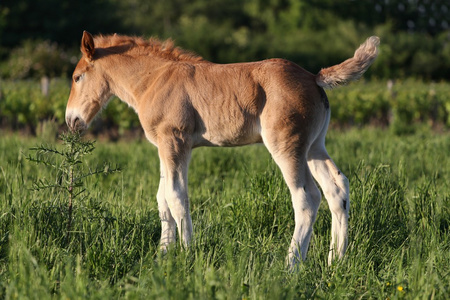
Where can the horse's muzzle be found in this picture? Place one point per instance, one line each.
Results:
(75, 123)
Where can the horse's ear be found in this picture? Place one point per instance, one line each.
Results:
(87, 45)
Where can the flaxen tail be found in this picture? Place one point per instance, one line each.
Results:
(351, 69)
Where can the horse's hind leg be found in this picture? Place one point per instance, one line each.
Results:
(335, 186)
(291, 158)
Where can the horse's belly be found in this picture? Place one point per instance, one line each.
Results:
(225, 141)
(228, 134)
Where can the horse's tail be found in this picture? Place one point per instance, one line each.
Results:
(351, 69)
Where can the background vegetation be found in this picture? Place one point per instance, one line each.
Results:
(313, 33)
(400, 105)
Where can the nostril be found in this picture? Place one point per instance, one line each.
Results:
(75, 122)
(72, 122)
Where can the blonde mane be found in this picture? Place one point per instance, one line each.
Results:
(137, 46)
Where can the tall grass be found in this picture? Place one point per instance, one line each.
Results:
(399, 243)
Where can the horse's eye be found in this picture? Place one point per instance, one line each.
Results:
(77, 78)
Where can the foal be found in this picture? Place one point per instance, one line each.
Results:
(184, 101)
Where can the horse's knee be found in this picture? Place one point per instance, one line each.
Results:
(179, 207)
(178, 203)
(161, 197)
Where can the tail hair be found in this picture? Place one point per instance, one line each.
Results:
(351, 69)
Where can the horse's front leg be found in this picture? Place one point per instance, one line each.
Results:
(168, 224)
(174, 163)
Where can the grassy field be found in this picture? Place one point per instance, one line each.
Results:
(399, 245)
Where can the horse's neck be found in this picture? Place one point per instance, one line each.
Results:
(131, 77)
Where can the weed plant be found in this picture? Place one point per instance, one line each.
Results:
(67, 166)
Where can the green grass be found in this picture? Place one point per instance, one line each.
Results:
(399, 245)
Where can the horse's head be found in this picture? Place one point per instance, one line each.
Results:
(90, 89)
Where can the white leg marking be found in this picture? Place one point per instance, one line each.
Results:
(176, 194)
(335, 186)
(168, 225)
(305, 201)
(178, 202)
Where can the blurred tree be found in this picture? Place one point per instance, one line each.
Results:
(56, 20)
(428, 16)
(37, 59)
(246, 30)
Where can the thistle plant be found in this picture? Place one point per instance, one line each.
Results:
(69, 167)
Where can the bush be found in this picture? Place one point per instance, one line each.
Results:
(37, 59)
(400, 105)
(23, 105)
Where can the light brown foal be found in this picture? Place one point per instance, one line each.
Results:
(184, 101)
